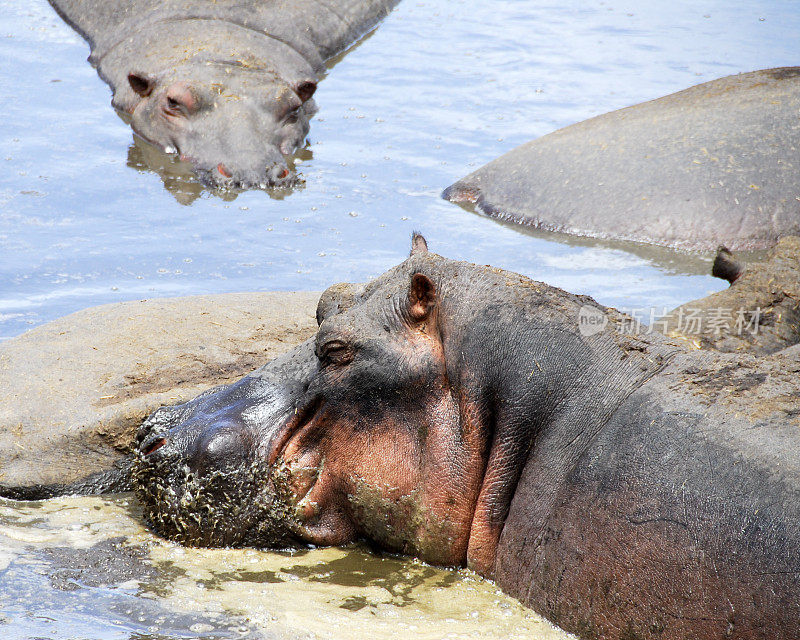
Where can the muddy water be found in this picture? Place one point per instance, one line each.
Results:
(86, 568)
(88, 215)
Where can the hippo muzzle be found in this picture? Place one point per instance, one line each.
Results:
(207, 472)
(238, 127)
(230, 144)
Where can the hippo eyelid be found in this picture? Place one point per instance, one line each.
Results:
(335, 352)
(330, 346)
(175, 108)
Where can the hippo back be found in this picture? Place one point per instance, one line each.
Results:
(713, 164)
(327, 25)
(680, 520)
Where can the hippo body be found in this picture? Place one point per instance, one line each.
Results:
(679, 520)
(622, 485)
(227, 85)
(713, 164)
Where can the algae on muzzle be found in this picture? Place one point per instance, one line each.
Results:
(234, 506)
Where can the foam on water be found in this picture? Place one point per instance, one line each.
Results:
(87, 565)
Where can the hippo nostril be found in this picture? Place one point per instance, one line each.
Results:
(277, 174)
(156, 444)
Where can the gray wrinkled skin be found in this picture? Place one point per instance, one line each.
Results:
(226, 85)
(713, 164)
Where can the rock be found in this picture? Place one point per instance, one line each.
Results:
(75, 389)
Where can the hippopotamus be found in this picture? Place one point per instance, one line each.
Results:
(226, 85)
(759, 313)
(621, 485)
(715, 164)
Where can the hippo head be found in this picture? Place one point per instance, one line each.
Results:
(235, 129)
(353, 434)
(406, 420)
(231, 101)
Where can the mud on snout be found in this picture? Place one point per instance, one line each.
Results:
(201, 470)
(218, 508)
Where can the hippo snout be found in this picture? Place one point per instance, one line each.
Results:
(220, 446)
(267, 175)
(201, 447)
(150, 435)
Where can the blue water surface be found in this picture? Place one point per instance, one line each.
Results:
(441, 87)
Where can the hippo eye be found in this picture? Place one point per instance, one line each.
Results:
(335, 352)
(293, 116)
(174, 107)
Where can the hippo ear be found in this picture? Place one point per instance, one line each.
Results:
(305, 89)
(421, 297)
(141, 84)
(725, 266)
(418, 244)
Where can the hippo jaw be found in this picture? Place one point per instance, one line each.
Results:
(236, 132)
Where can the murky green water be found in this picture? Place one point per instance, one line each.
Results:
(77, 568)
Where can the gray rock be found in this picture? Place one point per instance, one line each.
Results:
(759, 313)
(75, 389)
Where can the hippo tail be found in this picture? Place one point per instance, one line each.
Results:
(114, 480)
(726, 266)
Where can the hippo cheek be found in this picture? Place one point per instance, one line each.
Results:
(148, 124)
(308, 482)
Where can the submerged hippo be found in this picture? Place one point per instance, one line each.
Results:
(620, 485)
(227, 85)
(713, 164)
